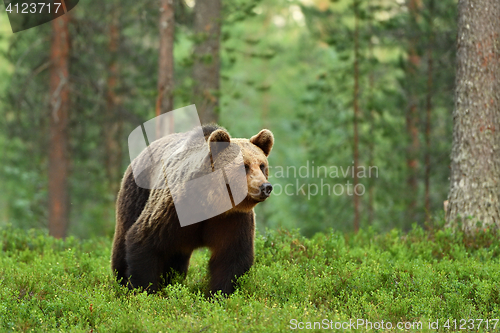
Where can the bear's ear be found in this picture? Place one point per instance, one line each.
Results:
(218, 141)
(264, 140)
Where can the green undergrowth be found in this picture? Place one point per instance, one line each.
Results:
(421, 276)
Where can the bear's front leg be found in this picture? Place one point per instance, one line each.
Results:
(228, 264)
(144, 267)
(176, 264)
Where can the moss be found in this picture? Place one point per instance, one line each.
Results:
(54, 285)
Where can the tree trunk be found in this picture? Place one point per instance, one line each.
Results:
(114, 124)
(356, 114)
(371, 143)
(428, 113)
(412, 111)
(59, 107)
(475, 157)
(165, 101)
(207, 23)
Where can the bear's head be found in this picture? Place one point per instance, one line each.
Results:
(254, 152)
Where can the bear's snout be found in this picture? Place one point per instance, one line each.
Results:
(266, 189)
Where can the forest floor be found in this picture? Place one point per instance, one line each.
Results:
(416, 281)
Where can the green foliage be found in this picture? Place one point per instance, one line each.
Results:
(54, 285)
(285, 65)
(385, 29)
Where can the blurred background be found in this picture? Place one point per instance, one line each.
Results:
(340, 83)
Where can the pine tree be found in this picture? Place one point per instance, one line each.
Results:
(475, 158)
(58, 150)
(207, 27)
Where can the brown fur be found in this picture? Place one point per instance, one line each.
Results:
(150, 244)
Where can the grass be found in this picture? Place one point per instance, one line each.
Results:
(55, 285)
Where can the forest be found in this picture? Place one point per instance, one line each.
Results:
(385, 160)
(292, 67)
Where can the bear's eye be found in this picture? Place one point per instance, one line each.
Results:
(247, 168)
(263, 168)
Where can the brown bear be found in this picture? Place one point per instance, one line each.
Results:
(150, 245)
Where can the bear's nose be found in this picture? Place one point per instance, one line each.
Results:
(266, 189)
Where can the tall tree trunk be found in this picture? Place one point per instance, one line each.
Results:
(412, 111)
(114, 124)
(165, 101)
(430, 48)
(266, 96)
(475, 156)
(371, 144)
(59, 107)
(207, 26)
(356, 114)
